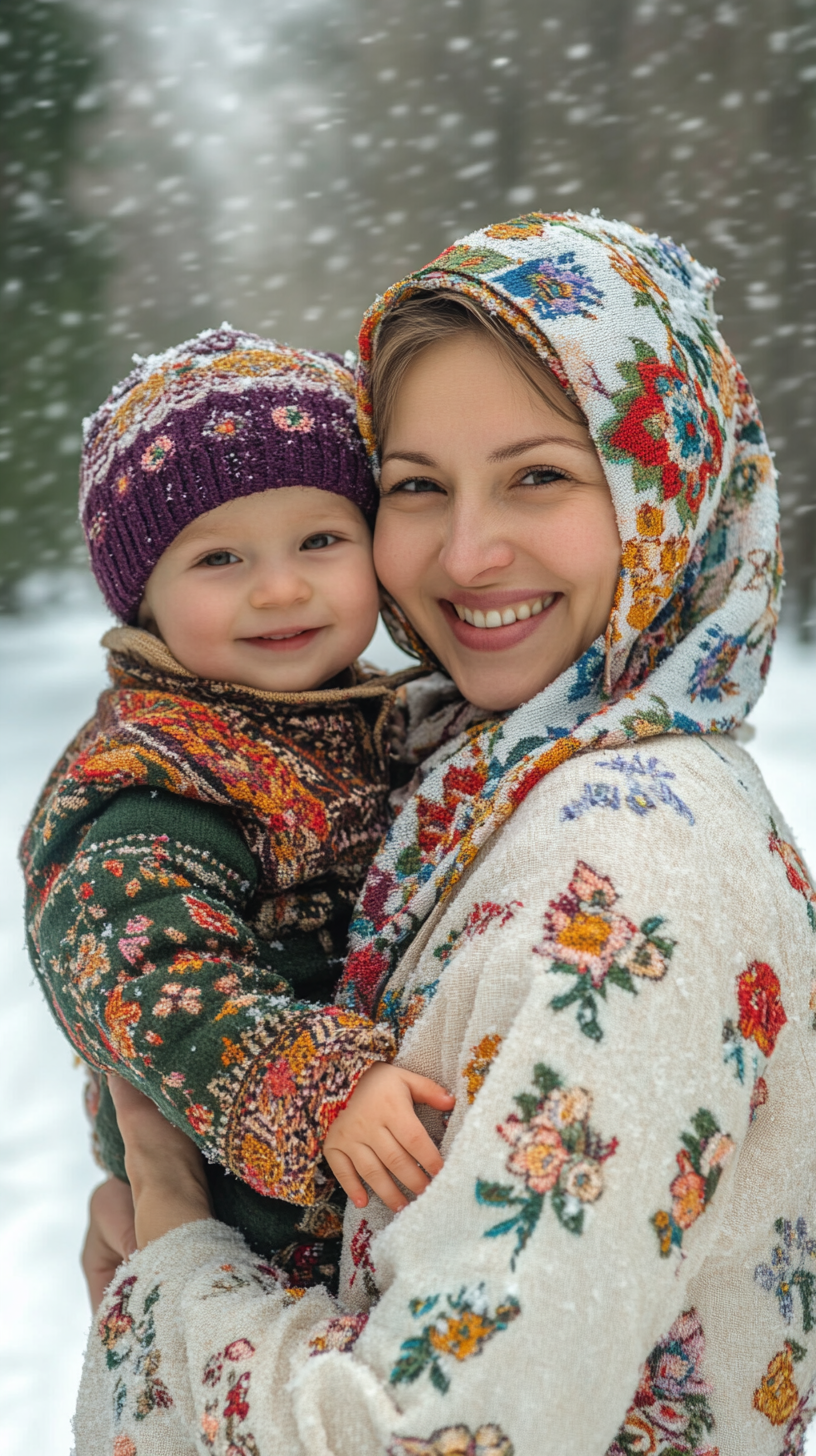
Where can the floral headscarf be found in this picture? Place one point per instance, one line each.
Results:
(626, 321)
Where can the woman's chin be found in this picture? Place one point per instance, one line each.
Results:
(493, 685)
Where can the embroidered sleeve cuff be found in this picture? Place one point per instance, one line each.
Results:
(291, 1093)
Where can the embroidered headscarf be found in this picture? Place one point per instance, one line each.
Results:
(626, 321)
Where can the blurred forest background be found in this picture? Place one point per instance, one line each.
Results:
(167, 164)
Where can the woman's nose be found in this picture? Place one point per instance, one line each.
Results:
(474, 543)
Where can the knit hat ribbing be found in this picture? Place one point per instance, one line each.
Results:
(224, 415)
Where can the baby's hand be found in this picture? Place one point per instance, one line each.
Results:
(378, 1130)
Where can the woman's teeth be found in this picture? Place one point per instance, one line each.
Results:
(507, 616)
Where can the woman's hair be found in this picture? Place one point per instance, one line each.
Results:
(431, 318)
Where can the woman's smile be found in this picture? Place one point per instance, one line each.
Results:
(496, 625)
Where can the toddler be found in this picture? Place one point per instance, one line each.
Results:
(193, 861)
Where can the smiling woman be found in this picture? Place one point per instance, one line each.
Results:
(504, 551)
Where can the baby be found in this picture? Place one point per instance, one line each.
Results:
(193, 861)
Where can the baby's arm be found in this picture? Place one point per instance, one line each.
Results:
(378, 1130)
(147, 956)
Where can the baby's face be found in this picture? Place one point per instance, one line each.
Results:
(275, 590)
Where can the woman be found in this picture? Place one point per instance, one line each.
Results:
(604, 947)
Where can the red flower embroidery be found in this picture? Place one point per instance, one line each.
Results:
(365, 969)
(664, 426)
(236, 1403)
(210, 918)
(200, 1118)
(762, 1014)
(278, 1080)
(360, 1250)
(378, 888)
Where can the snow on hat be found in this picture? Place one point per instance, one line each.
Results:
(224, 415)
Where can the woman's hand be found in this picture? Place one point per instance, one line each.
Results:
(111, 1236)
(379, 1130)
(165, 1168)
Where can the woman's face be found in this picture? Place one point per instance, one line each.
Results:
(496, 532)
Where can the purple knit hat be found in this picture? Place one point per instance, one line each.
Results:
(223, 415)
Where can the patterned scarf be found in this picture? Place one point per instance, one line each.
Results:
(626, 321)
(305, 775)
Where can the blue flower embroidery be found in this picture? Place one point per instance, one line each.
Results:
(782, 1279)
(555, 290)
(710, 680)
(646, 786)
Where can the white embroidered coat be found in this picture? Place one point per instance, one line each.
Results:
(620, 1254)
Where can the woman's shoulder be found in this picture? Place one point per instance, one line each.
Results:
(677, 826)
(664, 788)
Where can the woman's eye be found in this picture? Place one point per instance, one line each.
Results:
(319, 542)
(218, 558)
(416, 485)
(542, 475)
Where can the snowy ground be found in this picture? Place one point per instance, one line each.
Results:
(51, 670)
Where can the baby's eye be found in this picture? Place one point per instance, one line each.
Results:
(415, 485)
(319, 542)
(218, 558)
(542, 475)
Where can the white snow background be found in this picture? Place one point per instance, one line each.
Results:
(51, 669)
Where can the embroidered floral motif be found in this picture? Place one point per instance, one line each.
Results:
(646, 787)
(670, 1414)
(340, 1333)
(553, 289)
(488, 1440)
(404, 1006)
(776, 1396)
(230, 1408)
(224, 424)
(701, 1160)
(480, 917)
(787, 1273)
(120, 1015)
(477, 1067)
(470, 260)
(454, 1336)
(710, 680)
(158, 451)
(762, 1014)
(211, 919)
(555, 1152)
(663, 425)
(796, 872)
(584, 938)
(761, 1018)
(292, 419)
(360, 1250)
(130, 1347)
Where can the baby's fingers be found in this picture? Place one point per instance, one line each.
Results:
(419, 1147)
(422, 1089)
(345, 1173)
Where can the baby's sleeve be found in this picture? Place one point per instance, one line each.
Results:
(149, 962)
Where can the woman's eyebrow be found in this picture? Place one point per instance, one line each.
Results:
(509, 452)
(414, 456)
